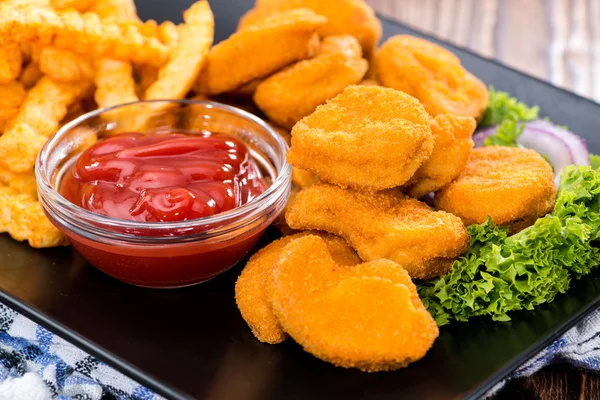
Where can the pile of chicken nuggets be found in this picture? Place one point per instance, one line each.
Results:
(372, 131)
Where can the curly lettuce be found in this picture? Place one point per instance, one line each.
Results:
(502, 107)
(502, 273)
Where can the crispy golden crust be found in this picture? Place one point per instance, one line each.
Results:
(367, 316)
(383, 225)
(513, 186)
(250, 290)
(10, 62)
(367, 137)
(344, 17)
(451, 152)
(293, 93)
(260, 50)
(31, 75)
(23, 183)
(64, 65)
(432, 74)
(12, 95)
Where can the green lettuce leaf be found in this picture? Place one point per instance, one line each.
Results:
(595, 161)
(502, 107)
(506, 134)
(502, 273)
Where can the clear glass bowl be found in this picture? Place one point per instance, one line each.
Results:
(156, 254)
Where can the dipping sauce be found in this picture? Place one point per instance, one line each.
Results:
(163, 177)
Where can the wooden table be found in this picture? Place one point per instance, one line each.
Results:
(554, 40)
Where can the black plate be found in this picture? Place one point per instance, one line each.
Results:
(193, 343)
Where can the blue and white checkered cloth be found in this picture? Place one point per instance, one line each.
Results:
(36, 364)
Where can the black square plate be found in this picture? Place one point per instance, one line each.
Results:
(192, 343)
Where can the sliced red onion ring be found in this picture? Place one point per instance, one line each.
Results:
(561, 147)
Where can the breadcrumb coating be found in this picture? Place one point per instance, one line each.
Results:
(513, 186)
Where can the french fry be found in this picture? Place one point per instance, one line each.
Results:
(83, 33)
(23, 218)
(114, 83)
(176, 77)
(117, 10)
(38, 118)
(7, 115)
(20, 182)
(65, 66)
(168, 34)
(31, 75)
(10, 62)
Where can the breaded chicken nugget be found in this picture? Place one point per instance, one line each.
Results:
(366, 137)
(295, 92)
(432, 74)
(351, 17)
(250, 290)
(259, 50)
(383, 225)
(513, 186)
(451, 152)
(367, 317)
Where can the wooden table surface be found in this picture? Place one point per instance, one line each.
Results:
(554, 40)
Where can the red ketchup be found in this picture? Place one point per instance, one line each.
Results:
(163, 178)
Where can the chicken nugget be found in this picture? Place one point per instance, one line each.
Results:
(432, 74)
(511, 185)
(295, 92)
(10, 62)
(367, 137)
(451, 152)
(344, 17)
(250, 290)
(38, 118)
(349, 316)
(383, 224)
(24, 219)
(260, 49)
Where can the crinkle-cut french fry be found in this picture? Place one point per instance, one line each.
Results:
(147, 75)
(176, 77)
(79, 5)
(7, 115)
(114, 83)
(65, 66)
(38, 118)
(23, 218)
(168, 33)
(20, 182)
(31, 75)
(10, 62)
(83, 33)
(118, 10)
(12, 95)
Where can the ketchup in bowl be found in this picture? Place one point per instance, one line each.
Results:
(173, 205)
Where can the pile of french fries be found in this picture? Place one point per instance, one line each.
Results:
(62, 58)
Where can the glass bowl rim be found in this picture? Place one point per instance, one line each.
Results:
(44, 185)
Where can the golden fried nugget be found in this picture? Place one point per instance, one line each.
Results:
(302, 178)
(21, 183)
(176, 77)
(366, 316)
(118, 10)
(12, 95)
(79, 5)
(24, 219)
(64, 65)
(82, 33)
(250, 291)
(295, 92)
(513, 186)
(383, 225)
(38, 118)
(451, 152)
(114, 83)
(30, 75)
(367, 137)
(344, 17)
(10, 62)
(432, 74)
(260, 50)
